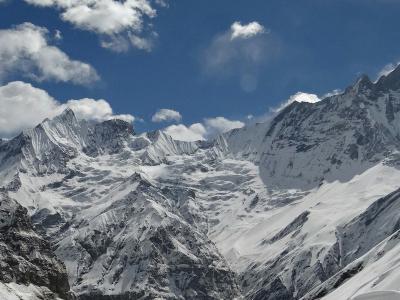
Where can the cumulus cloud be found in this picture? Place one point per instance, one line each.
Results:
(115, 43)
(25, 49)
(90, 109)
(23, 106)
(239, 52)
(180, 132)
(220, 125)
(164, 114)
(113, 20)
(298, 97)
(246, 31)
(202, 131)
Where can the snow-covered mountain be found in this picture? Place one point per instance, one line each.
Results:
(304, 206)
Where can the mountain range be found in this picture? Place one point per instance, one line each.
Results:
(302, 206)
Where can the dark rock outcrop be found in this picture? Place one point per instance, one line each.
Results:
(25, 257)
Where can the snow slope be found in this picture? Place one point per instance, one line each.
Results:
(13, 291)
(380, 295)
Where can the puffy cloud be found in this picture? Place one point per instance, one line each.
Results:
(220, 125)
(143, 43)
(202, 131)
(113, 20)
(246, 31)
(90, 109)
(25, 49)
(107, 17)
(194, 132)
(115, 43)
(23, 106)
(239, 52)
(165, 114)
(304, 97)
(298, 97)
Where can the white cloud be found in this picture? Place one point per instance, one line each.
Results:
(246, 31)
(143, 43)
(202, 131)
(106, 16)
(220, 125)
(23, 106)
(162, 3)
(165, 114)
(298, 97)
(386, 70)
(240, 52)
(115, 43)
(90, 109)
(194, 132)
(113, 20)
(57, 35)
(124, 117)
(25, 49)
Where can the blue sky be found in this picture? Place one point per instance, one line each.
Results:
(309, 46)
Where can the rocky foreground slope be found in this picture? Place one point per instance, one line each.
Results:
(303, 206)
(26, 258)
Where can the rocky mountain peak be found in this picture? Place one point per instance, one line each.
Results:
(390, 81)
(386, 83)
(66, 117)
(108, 137)
(362, 85)
(115, 127)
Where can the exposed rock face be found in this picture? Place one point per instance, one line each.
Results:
(343, 135)
(108, 137)
(145, 249)
(25, 257)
